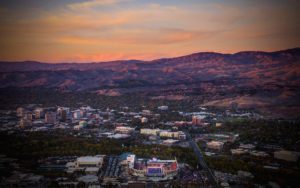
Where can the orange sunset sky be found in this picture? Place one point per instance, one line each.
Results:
(104, 30)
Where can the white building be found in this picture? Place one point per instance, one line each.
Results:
(179, 135)
(144, 120)
(77, 127)
(216, 145)
(150, 131)
(146, 112)
(89, 164)
(218, 124)
(165, 133)
(119, 136)
(173, 134)
(131, 160)
(137, 117)
(89, 161)
(163, 108)
(123, 129)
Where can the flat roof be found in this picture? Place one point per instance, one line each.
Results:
(89, 159)
(88, 178)
(92, 169)
(119, 136)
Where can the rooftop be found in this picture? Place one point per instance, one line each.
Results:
(89, 159)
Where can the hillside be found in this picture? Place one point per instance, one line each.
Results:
(251, 79)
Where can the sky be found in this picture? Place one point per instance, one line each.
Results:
(105, 30)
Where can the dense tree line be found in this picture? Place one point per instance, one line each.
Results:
(11, 98)
(34, 146)
(283, 133)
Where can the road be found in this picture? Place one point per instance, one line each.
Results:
(201, 161)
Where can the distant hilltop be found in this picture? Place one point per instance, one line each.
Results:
(240, 57)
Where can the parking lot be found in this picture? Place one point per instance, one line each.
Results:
(111, 167)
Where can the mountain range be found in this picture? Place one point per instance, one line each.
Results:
(250, 79)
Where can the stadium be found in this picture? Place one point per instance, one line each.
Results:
(155, 168)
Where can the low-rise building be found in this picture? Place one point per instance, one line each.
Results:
(164, 133)
(127, 159)
(245, 174)
(80, 126)
(226, 137)
(167, 134)
(218, 124)
(216, 145)
(247, 146)
(239, 151)
(88, 164)
(286, 155)
(170, 142)
(124, 130)
(88, 179)
(119, 136)
(163, 108)
(89, 161)
(180, 135)
(259, 153)
(150, 131)
(144, 120)
(172, 134)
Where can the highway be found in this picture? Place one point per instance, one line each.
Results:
(201, 161)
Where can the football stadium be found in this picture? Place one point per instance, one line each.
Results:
(155, 168)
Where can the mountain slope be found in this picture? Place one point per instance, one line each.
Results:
(268, 78)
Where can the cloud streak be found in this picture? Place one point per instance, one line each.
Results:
(87, 5)
(132, 29)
